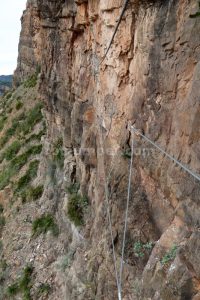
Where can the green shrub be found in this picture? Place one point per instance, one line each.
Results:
(32, 193)
(16, 164)
(25, 282)
(5, 177)
(73, 188)
(31, 81)
(36, 193)
(34, 150)
(13, 289)
(31, 119)
(12, 130)
(44, 224)
(2, 221)
(22, 194)
(3, 264)
(170, 255)
(127, 154)
(19, 105)
(3, 267)
(140, 248)
(30, 174)
(23, 124)
(1, 246)
(23, 285)
(19, 161)
(76, 208)
(12, 150)
(8, 134)
(58, 153)
(44, 288)
(1, 209)
(2, 122)
(8, 95)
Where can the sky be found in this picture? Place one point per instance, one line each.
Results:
(10, 26)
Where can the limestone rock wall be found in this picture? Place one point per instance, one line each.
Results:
(149, 78)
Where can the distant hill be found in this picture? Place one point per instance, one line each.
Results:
(5, 83)
(6, 78)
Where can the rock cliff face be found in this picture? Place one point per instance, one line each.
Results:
(150, 78)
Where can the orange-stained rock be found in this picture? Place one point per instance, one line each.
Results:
(150, 78)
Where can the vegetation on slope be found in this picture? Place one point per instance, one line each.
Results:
(77, 205)
(20, 140)
(22, 127)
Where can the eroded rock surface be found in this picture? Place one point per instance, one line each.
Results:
(150, 78)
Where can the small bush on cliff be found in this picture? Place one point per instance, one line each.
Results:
(127, 154)
(25, 282)
(30, 174)
(17, 163)
(5, 176)
(140, 248)
(31, 119)
(23, 123)
(2, 122)
(1, 246)
(8, 95)
(13, 289)
(58, 152)
(8, 134)
(77, 206)
(31, 81)
(73, 188)
(19, 105)
(12, 130)
(44, 224)
(11, 151)
(169, 256)
(1, 209)
(35, 193)
(23, 285)
(44, 289)
(3, 271)
(2, 220)
(34, 150)
(32, 193)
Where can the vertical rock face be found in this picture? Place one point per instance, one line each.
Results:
(30, 43)
(150, 78)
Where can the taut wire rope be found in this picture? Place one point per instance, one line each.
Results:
(126, 214)
(185, 168)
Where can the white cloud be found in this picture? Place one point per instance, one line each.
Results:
(10, 26)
